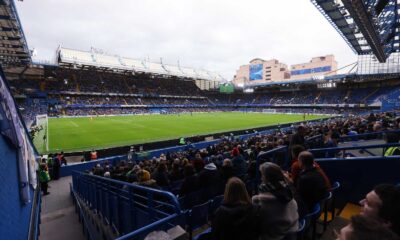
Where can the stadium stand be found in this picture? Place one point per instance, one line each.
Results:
(257, 185)
(69, 90)
(200, 198)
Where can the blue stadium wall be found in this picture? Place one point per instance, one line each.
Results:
(14, 217)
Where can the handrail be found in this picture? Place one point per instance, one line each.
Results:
(357, 136)
(359, 158)
(313, 138)
(149, 227)
(344, 149)
(34, 231)
(153, 190)
(85, 220)
(355, 147)
(114, 199)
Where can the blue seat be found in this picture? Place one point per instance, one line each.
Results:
(197, 216)
(215, 203)
(191, 199)
(176, 186)
(311, 220)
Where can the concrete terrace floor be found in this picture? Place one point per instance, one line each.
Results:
(58, 218)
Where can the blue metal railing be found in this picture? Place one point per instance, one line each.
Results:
(37, 207)
(34, 221)
(87, 226)
(359, 158)
(367, 136)
(123, 206)
(327, 152)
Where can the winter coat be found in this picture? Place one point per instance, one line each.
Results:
(235, 222)
(276, 218)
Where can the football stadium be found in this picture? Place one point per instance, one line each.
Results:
(224, 142)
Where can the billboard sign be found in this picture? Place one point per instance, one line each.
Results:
(256, 72)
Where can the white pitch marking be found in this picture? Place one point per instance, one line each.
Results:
(75, 125)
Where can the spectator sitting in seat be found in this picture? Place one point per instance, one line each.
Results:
(176, 172)
(190, 182)
(382, 204)
(227, 171)
(365, 228)
(239, 164)
(311, 184)
(295, 169)
(145, 179)
(209, 176)
(160, 175)
(198, 163)
(236, 218)
(277, 207)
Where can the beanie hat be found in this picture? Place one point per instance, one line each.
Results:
(210, 166)
(235, 151)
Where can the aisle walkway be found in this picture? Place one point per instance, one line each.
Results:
(59, 220)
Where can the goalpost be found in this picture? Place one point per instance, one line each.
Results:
(42, 136)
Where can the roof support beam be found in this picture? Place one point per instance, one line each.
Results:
(364, 22)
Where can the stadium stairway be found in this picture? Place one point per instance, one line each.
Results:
(211, 102)
(58, 218)
(358, 153)
(340, 221)
(369, 95)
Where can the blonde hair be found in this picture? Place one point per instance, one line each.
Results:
(143, 175)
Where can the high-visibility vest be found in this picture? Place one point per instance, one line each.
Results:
(93, 155)
(391, 150)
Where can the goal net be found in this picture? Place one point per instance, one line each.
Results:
(41, 133)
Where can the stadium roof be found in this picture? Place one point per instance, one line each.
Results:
(325, 79)
(368, 26)
(13, 47)
(99, 59)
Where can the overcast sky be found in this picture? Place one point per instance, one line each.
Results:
(217, 35)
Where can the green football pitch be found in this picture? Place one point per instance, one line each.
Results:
(85, 133)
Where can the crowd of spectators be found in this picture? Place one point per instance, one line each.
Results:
(283, 196)
(94, 81)
(49, 96)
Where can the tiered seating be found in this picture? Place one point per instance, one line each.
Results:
(198, 206)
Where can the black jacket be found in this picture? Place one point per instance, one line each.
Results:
(226, 172)
(235, 222)
(311, 187)
(189, 184)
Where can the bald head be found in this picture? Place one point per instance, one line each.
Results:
(306, 159)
